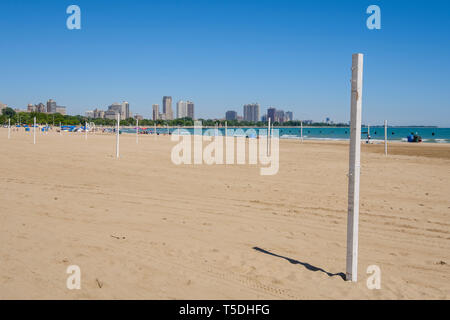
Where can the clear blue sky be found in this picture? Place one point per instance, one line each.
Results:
(294, 55)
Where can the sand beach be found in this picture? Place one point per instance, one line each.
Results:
(141, 227)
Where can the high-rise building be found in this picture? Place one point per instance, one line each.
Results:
(271, 114)
(51, 106)
(289, 116)
(113, 110)
(264, 118)
(190, 109)
(40, 107)
(89, 114)
(155, 112)
(279, 116)
(111, 114)
(125, 111)
(181, 109)
(231, 115)
(116, 107)
(251, 112)
(99, 114)
(167, 107)
(61, 110)
(30, 108)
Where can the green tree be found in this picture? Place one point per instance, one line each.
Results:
(9, 112)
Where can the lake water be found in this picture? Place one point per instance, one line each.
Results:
(428, 134)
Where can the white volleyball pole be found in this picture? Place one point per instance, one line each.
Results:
(137, 131)
(85, 130)
(155, 131)
(34, 131)
(368, 133)
(354, 168)
(301, 130)
(117, 135)
(60, 129)
(9, 128)
(385, 137)
(268, 137)
(226, 134)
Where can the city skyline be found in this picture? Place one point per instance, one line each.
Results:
(276, 115)
(297, 56)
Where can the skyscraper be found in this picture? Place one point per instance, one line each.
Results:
(289, 116)
(125, 111)
(279, 116)
(231, 115)
(51, 106)
(116, 107)
(40, 107)
(251, 112)
(264, 118)
(271, 114)
(181, 109)
(155, 112)
(167, 107)
(190, 109)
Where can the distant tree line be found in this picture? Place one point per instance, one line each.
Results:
(56, 118)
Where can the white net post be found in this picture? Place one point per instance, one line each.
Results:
(137, 131)
(354, 168)
(268, 137)
(385, 138)
(117, 135)
(301, 130)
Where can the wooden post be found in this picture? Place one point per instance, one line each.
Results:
(117, 135)
(354, 168)
(34, 131)
(385, 137)
(60, 129)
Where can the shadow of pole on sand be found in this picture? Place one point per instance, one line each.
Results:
(306, 265)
